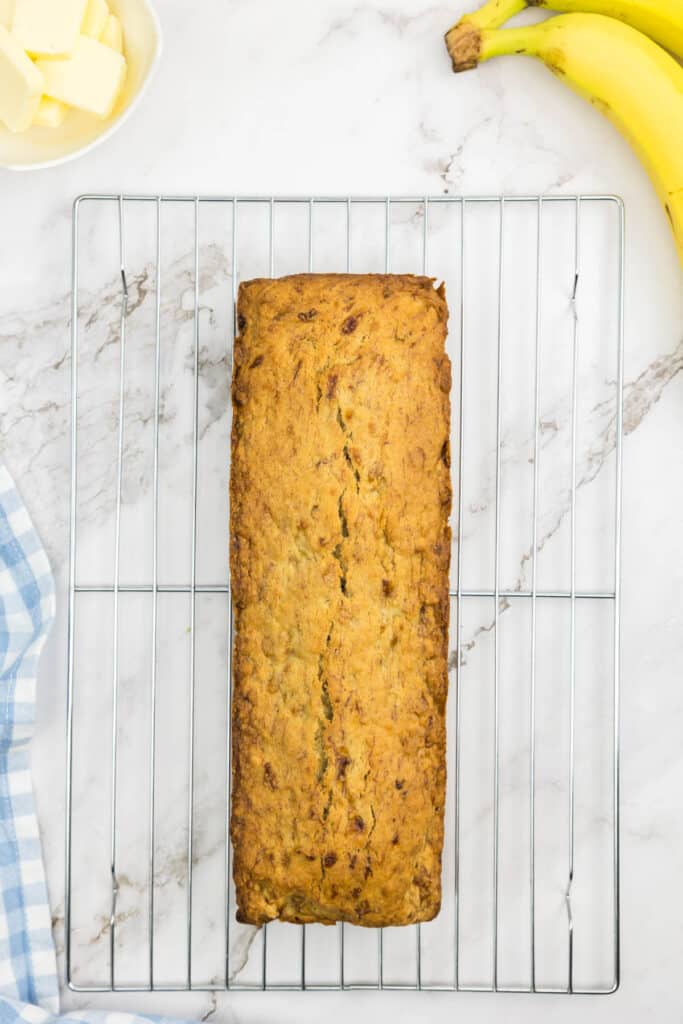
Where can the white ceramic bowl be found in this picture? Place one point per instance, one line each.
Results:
(47, 147)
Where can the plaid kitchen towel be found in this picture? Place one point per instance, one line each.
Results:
(29, 990)
(28, 970)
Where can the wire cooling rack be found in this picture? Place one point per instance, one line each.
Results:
(531, 860)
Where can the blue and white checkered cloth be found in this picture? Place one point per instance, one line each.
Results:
(29, 989)
(28, 969)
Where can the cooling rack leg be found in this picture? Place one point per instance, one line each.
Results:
(425, 234)
(72, 590)
(310, 235)
(340, 947)
(228, 846)
(496, 611)
(425, 257)
(534, 595)
(193, 599)
(155, 594)
(617, 605)
(572, 648)
(117, 559)
(458, 607)
(310, 270)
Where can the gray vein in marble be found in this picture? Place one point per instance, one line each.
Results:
(170, 869)
(488, 627)
(640, 396)
(385, 16)
(213, 1005)
(241, 950)
(39, 425)
(646, 390)
(452, 169)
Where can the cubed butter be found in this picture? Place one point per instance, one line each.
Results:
(21, 84)
(95, 20)
(113, 34)
(51, 113)
(90, 79)
(6, 13)
(48, 28)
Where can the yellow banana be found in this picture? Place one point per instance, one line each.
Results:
(634, 82)
(661, 20)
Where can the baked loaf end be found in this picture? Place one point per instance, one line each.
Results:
(340, 549)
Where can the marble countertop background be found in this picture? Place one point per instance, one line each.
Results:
(338, 98)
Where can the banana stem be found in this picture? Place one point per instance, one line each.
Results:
(463, 39)
(469, 46)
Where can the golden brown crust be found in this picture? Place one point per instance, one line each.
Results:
(340, 549)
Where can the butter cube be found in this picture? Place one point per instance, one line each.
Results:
(51, 113)
(6, 13)
(95, 20)
(113, 34)
(48, 28)
(90, 79)
(21, 84)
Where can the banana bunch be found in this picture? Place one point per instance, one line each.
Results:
(611, 62)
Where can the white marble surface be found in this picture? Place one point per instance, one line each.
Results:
(344, 98)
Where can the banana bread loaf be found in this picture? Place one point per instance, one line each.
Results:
(340, 549)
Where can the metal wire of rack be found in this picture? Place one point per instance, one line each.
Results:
(557, 602)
